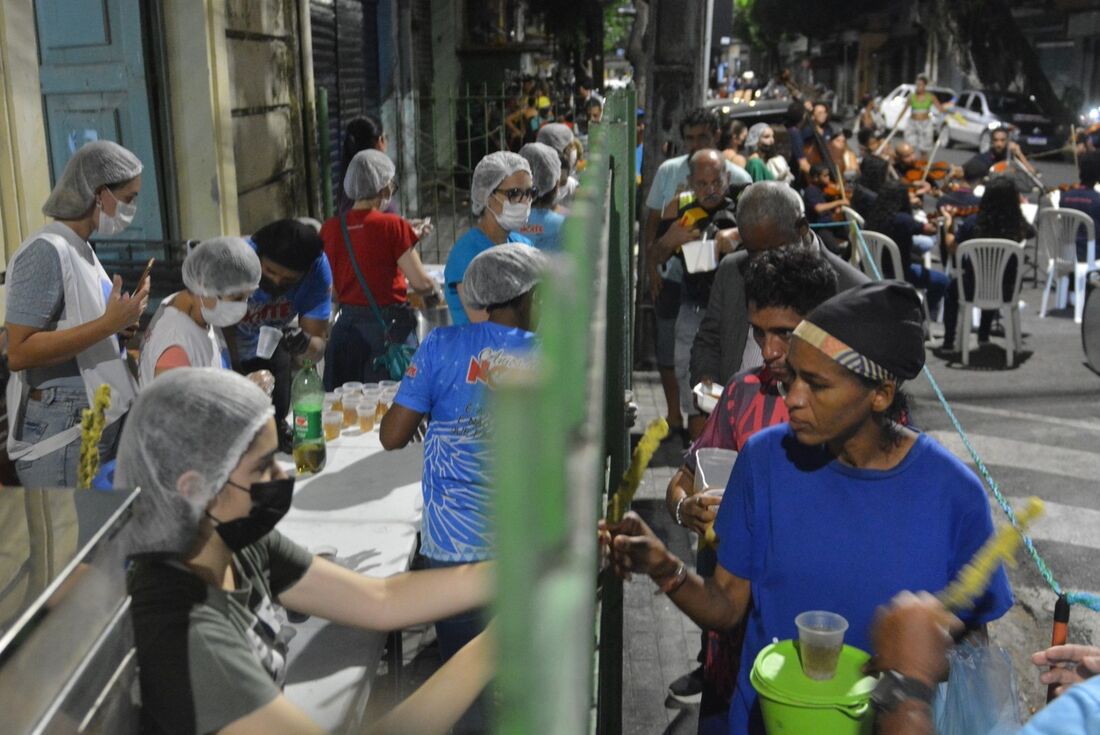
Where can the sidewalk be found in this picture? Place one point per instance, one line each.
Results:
(660, 643)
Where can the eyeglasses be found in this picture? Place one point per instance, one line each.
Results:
(516, 195)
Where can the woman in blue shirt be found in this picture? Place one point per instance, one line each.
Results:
(842, 508)
(500, 196)
(544, 225)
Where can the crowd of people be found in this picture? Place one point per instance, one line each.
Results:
(836, 502)
(199, 410)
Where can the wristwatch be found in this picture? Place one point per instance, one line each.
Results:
(894, 688)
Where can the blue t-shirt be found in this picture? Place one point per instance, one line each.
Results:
(810, 533)
(465, 249)
(1077, 710)
(447, 380)
(1085, 200)
(311, 297)
(543, 229)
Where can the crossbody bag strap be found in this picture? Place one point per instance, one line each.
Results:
(359, 273)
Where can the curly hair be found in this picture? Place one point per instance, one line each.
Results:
(999, 213)
(872, 172)
(700, 116)
(892, 198)
(792, 276)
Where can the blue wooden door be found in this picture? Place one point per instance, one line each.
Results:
(94, 87)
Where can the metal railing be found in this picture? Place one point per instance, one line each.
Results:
(561, 439)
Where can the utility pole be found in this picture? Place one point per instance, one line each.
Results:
(676, 42)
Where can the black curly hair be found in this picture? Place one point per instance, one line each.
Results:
(872, 172)
(892, 198)
(700, 116)
(999, 213)
(792, 277)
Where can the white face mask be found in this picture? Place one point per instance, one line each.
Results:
(112, 224)
(512, 216)
(225, 313)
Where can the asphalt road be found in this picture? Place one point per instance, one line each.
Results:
(1052, 169)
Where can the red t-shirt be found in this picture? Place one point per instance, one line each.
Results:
(378, 239)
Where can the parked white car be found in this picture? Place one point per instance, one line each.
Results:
(978, 113)
(890, 107)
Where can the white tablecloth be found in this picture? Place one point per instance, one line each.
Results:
(366, 504)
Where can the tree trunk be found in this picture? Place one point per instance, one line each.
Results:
(988, 37)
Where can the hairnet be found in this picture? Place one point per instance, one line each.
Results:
(753, 137)
(545, 165)
(368, 173)
(502, 273)
(221, 266)
(94, 165)
(488, 174)
(188, 420)
(555, 135)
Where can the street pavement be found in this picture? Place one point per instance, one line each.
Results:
(1037, 427)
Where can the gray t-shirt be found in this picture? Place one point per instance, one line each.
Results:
(36, 298)
(210, 656)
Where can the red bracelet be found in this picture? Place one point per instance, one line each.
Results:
(674, 582)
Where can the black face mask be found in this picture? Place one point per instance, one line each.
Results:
(271, 288)
(270, 502)
(766, 151)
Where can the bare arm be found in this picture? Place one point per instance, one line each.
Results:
(398, 426)
(279, 715)
(330, 591)
(440, 701)
(697, 512)
(29, 347)
(317, 329)
(410, 265)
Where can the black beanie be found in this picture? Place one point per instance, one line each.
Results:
(875, 330)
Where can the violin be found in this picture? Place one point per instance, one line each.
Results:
(937, 172)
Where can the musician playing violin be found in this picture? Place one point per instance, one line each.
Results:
(919, 131)
(1000, 147)
(823, 200)
(820, 124)
(910, 169)
(959, 194)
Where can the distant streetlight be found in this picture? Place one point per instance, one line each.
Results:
(628, 9)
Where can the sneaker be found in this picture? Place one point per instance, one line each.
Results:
(688, 689)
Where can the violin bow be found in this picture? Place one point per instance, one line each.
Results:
(1073, 142)
(893, 131)
(932, 155)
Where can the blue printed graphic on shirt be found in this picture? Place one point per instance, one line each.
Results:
(311, 297)
(447, 380)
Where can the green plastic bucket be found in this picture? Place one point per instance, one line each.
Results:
(793, 704)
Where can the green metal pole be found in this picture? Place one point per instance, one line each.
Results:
(325, 149)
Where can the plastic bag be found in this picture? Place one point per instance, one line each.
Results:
(981, 695)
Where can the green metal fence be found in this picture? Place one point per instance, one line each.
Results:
(561, 442)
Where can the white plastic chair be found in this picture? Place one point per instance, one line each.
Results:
(881, 247)
(853, 218)
(989, 257)
(1058, 228)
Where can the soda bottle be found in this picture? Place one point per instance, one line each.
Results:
(307, 397)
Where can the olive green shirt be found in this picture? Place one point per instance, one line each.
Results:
(209, 656)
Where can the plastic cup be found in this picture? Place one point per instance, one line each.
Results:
(350, 401)
(713, 467)
(366, 411)
(820, 639)
(332, 421)
(352, 385)
(268, 341)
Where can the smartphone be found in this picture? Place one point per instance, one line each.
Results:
(145, 274)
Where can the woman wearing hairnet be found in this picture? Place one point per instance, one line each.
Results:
(64, 316)
(186, 330)
(544, 225)
(371, 254)
(447, 381)
(208, 571)
(559, 136)
(500, 196)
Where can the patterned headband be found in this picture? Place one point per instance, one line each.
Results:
(842, 353)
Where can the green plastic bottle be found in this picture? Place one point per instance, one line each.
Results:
(307, 397)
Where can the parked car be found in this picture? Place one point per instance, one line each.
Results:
(750, 113)
(890, 107)
(978, 113)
